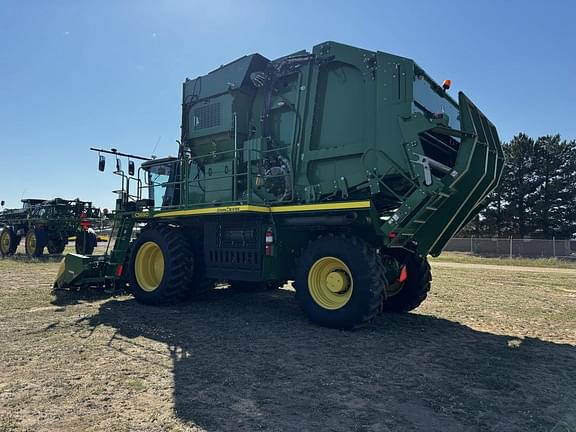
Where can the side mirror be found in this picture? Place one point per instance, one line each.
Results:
(2, 203)
(130, 167)
(118, 165)
(101, 163)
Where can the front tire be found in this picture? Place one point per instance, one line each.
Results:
(161, 266)
(8, 242)
(35, 242)
(409, 294)
(340, 282)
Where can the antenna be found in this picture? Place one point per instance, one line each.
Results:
(156, 146)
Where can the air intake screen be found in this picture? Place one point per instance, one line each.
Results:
(207, 116)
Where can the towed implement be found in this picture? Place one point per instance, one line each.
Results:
(48, 224)
(340, 169)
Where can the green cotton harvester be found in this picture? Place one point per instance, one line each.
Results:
(340, 169)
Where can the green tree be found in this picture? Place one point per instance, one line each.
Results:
(518, 184)
(553, 210)
(537, 194)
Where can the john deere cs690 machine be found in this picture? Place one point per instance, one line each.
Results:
(340, 169)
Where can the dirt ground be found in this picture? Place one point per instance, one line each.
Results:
(492, 349)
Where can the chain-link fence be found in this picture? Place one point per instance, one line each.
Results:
(531, 248)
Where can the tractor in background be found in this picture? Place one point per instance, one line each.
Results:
(48, 224)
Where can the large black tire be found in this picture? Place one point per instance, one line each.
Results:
(56, 245)
(176, 279)
(8, 242)
(35, 242)
(408, 295)
(360, 279)
(85, 242)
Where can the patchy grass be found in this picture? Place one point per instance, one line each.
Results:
(8, 423)
(466, 258)
(491, 349)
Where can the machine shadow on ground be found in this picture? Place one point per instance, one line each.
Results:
(252, 362)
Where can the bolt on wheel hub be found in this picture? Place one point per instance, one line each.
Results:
(330, 283)
(338, 282)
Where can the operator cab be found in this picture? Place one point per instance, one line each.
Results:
(161, 178)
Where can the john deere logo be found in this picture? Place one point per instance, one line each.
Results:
(228, 210)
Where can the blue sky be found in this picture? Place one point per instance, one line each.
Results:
(76, 74)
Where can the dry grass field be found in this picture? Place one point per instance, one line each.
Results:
(493, 349)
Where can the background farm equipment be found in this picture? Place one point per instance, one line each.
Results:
(49, 224)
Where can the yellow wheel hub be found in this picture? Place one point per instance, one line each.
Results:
(5, 241)
(31, 242)
(330, 283)
(149, 266)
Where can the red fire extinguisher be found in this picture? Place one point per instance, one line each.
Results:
(268, 242)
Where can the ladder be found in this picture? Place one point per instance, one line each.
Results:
(121, 246)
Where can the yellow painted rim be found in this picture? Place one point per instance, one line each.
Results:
(31, 242)
(149, 266)
(5, 241)
(330, 283)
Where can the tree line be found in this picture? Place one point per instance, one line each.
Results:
(536, 197)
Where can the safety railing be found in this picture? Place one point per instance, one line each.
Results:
(244, 179)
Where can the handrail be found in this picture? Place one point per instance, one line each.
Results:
(251, 154)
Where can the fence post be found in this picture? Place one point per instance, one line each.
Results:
(471, 245)
(554, 246)
(510, 246)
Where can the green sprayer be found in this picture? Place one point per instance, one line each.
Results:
(339, 169)
(48, 224)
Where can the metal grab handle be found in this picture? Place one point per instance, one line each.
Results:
(427, 163)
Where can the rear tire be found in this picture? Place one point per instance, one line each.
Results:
(340, 282)
(408, 295)
(8, 242)
(35, 242)
(85, 242)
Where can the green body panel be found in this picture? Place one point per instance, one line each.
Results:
(333, 126)
(81, 270)
(339, 124)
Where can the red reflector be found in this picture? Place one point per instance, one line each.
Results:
(392, 234)
(119, 270)
(403, 274)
